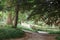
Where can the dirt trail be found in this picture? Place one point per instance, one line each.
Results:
(37, 36)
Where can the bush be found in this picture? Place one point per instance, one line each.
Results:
(58, 38)
(54, 32)
(57, 33)
(7, 33)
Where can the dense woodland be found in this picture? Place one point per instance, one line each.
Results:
(47, 11)
(32, 15)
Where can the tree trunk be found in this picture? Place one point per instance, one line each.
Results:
(16, 16)
(9, 19)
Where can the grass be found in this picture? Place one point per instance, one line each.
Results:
(58, 38)
(8, 33)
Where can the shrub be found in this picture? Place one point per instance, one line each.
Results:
(58, 38)
(54, 32)
(7, 33)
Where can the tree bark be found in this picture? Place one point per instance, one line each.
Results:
(9, 19)
(16, 16)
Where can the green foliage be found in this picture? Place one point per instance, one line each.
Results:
(46, 10)
(1, 7)
(42, 9)
(7, 33)
(58, 38)
(54, 32)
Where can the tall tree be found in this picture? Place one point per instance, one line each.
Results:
(16, 13)
(22, 6)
